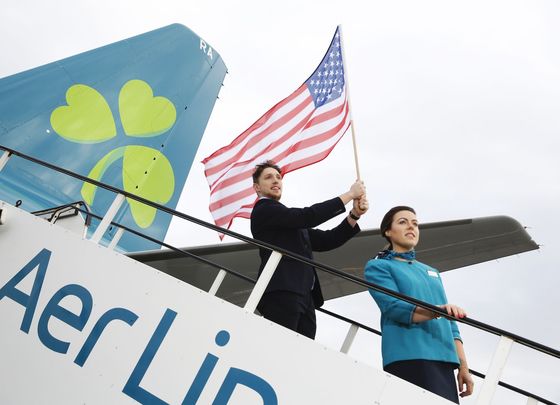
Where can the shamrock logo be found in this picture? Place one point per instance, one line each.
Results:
(146, 172)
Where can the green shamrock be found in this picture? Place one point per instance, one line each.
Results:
(146, 171)
(86, 119)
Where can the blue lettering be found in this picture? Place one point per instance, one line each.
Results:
(113, 314)
(237, 376)
(28, 301)
(222, 338)
(132, 387)
(53, 309)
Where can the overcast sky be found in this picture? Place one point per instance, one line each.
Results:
(456, 109)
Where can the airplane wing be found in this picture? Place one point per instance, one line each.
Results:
(129, 114)
(444, 245)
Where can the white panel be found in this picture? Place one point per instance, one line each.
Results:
(299, 370)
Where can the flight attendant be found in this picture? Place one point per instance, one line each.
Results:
(417, 345)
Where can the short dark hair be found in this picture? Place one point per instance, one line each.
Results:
(264, 165)
(388, 220)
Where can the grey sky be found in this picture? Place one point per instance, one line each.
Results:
(456, 109)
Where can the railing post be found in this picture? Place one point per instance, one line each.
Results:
(217, 282)
(352, 331)
(4, 159)
(109, 215)
(263, 281)
(116, 238)
(494, 371)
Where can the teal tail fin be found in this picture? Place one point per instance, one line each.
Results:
(130, 114)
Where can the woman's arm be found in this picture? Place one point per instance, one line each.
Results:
(423, 314)
(377, 271)
(465, 382)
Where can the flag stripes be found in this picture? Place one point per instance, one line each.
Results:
(300, 130)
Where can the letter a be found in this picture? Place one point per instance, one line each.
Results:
(28, 301)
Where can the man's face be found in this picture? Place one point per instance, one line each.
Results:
(269, 184)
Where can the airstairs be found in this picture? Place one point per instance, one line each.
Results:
(82, 323)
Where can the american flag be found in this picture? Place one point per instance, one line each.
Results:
(300, 130)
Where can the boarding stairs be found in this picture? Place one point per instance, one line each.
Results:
(83, 323)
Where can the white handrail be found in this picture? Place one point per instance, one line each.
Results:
(217, 282)
(109, 215)
(116, 238)
(4, 159)
(492, 379)
(350, 335)
(263, 281)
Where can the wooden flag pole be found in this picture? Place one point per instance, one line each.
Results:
(347, 84)
(355, 147)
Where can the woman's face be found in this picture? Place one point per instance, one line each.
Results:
(404, 232)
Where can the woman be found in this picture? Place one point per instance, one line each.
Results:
(417, 345)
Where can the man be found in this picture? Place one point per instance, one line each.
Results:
(294, 291)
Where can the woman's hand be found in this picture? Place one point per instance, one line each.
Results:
(454, 310)
(465, 382)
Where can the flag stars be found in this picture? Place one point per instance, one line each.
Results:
(327, 81)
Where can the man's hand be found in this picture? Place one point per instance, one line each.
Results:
(360, 206)
(357, 190)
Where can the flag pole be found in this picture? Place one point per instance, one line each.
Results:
(347, 84)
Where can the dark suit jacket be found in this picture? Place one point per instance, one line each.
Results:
(289, 228)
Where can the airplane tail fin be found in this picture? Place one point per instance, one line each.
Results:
(130, 114)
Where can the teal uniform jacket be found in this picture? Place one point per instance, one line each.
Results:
(402, 339)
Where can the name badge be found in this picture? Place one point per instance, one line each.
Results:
(432, 273)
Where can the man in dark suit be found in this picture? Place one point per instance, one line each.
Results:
(294, 291)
